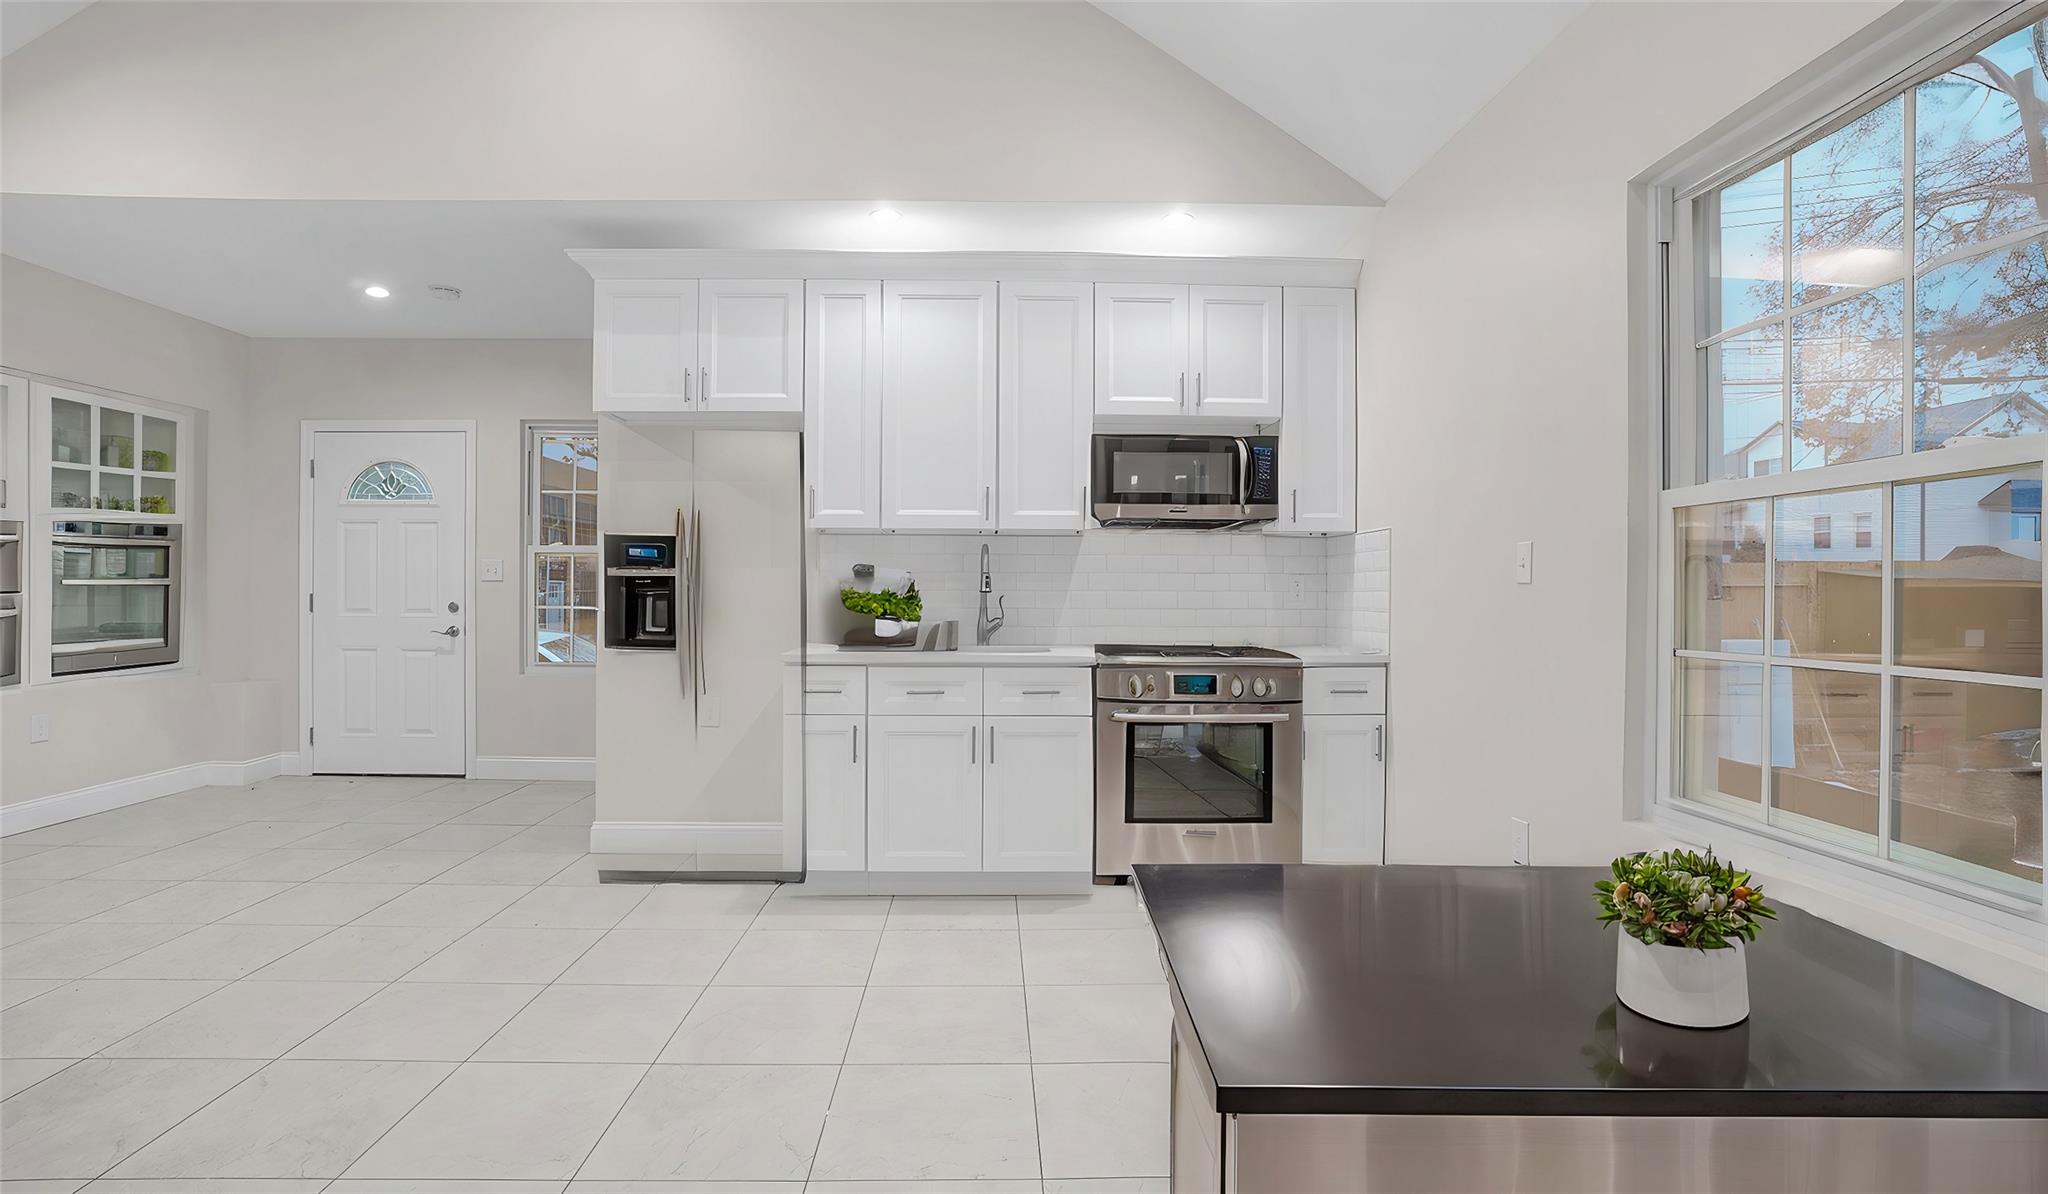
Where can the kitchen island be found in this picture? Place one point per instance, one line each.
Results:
(1408, 1028)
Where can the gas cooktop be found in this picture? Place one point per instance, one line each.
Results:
(1176, 653)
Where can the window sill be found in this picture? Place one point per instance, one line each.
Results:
(2003, 950)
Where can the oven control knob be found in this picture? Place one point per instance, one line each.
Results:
(1236, 687)
(1132, 685)
(1262, 687)
(1149, 688)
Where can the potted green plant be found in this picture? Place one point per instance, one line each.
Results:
(892, 611)
(1685, 920)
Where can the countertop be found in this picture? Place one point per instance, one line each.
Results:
(826, 654)
(1490, 991)
(1337, 656)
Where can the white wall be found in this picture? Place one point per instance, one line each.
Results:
(209, 709)
(986, 102)
(1494, 325)
(540, 712)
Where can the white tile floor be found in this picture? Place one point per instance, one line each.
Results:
(381, 985)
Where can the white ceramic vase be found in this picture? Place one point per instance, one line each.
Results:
(1692, 988)
(887, 628)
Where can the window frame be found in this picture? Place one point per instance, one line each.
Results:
(533, 432)
(1678, 431)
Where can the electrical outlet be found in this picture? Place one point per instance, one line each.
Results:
(1297, 587)
(1525, 561)
(38, 727)
(1518, 840)
(490, 570)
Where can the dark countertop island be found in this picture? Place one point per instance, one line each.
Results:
(1461, 991)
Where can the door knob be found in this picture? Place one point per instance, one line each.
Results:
(451, 632)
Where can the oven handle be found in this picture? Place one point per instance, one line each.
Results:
(1212, 719)
(113, 581)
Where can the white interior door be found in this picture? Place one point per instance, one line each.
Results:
(390, 617)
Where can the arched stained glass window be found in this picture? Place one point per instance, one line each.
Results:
(390, 481)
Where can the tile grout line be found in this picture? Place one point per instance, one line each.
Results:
(1030, 1051)
(839, 1071)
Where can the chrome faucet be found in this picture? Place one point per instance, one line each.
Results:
(985, 627)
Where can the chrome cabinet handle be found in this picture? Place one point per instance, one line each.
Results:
(984, 503)
(1351, 692)
(973, 745)
(1294, 496)
(824, 691)
(1198, 387)
(991, 746)
(703, 386)
(1040, 692)
(1379, 744)
(686, 387)
(856, 743)
(451, 632)
(924, 692)
(1181, 389)
(814, 501)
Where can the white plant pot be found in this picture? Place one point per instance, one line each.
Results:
(1692, 988)
(887, 628)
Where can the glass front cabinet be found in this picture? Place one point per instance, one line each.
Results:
(110, 482)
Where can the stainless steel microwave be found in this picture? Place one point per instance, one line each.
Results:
(1199, 482)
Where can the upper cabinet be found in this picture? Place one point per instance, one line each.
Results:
(843, 417)
(673, 346)
(1197, 351)
(13, 447)
(938, 405)
(1234, 352)
(1045, 400)
(107, 454)
(1319, 438)
(1141, 349)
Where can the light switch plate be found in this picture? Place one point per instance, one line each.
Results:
(1525, 561)
(490, 570)
(38, 727)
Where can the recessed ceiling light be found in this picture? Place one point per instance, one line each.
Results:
(885, 215)
(376, 292)
(1178, 219)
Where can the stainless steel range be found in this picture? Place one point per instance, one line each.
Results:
(1197, 755)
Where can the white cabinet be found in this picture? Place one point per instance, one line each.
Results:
(750, 345)
(1234, 352)
(835, 791)
(1203, 351)
(924, 794)
(843, 414)
(1037, 782)
(1046, 405)
(938, 405)
(1319, 437)
(1141, 349)
(95, 453)
(13, 447)
(677, 345)
(1343, 788)
(644, 345)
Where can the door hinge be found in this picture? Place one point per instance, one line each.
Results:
(309, 468)
(309, 603)
(309, 735)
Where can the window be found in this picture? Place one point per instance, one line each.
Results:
(561, 543)
(390, 481)
(1866, 347)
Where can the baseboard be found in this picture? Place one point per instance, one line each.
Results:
(686, 837)
(533, 767)
(120, 793)
(948, 883)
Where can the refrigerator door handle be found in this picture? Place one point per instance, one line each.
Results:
(697, 605)
(684, 595)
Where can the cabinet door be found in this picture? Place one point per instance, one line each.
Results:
(1038, 794)
(1343, 789)
(1045, 399)
(938, 405)
(750, 345)
(835, 790)
(644, 345)
(1141, 349)
(843, 411)
(1234, 343)
(1319, 436)
(924, 794)
(14, 482)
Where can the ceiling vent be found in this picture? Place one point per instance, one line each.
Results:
(447, 294)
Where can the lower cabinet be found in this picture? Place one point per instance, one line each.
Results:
(1343, 788)
(924, 794)
(836, 789)
(1037, 783)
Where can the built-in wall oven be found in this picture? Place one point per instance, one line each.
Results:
(10, 604)
(1197, 756)
(113, 596)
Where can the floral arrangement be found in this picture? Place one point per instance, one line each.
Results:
(906, 606)
(1678, 897)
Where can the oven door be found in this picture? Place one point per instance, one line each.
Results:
(113, 603)
(1196, 783)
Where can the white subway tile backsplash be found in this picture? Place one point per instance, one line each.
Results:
(1130, 586)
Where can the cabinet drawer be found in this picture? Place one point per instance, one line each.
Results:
(1036, 691)
(947, 690)
(1344, 690)
(825, 690)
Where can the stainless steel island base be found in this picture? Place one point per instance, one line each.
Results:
(1213, 1153)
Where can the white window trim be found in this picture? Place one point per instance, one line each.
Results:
(1892, 52)
(531, 433)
